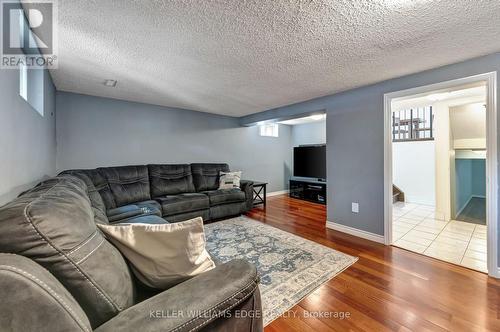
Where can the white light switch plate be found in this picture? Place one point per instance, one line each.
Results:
(355, 207)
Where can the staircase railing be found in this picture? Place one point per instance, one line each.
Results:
(414, 124)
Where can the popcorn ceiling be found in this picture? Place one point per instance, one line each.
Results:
(242, 57)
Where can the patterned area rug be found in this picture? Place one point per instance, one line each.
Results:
(290, 267)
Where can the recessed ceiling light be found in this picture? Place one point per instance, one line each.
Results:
(110, 83)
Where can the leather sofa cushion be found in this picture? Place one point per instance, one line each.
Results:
(204, 214)
(100, 217)
(94, 196)
(170, 179)
(150, 207)
(226, 210)
(128, 211)
(123, 212)
(213, 292)
(128, 184)
(53, 224)
(225, 196)
(206, 176)
(183, 203)
(100, 184)
(96, 201)
(146, 219)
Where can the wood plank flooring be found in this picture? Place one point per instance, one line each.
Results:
(388, 289)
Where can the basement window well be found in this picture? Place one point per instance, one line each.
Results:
(269, 130)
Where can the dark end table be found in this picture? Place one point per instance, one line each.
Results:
(259, 193)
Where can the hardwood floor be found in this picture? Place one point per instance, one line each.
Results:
(387, 289)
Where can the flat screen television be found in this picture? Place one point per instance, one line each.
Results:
(310, 161)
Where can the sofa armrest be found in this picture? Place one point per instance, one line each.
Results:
(196, 303)
(247, 187)
(34, 300)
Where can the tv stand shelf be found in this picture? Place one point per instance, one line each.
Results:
(308, 190)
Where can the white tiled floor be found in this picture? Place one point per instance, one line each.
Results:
(418, 228)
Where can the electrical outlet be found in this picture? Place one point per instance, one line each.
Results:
(355, 207)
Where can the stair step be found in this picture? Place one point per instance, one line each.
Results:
(395, 198)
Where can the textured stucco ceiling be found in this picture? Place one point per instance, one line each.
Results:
(242, 57)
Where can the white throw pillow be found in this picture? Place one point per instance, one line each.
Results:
(162, 255)
(229, 180)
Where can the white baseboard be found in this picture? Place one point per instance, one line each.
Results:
(356, 232)
(495, 275)
(276, 193)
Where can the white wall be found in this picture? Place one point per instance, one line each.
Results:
(27, 140)
(445, 160)
(309, 133)
(468, 126)
(414, 170)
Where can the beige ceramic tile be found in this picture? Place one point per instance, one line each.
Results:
(450, 241)
(456, 236)
(481, 256)
(474, 264)
(432, 230)
(444, 255)
(478, 247)
(417, 239)
(409, 221)
(410, 246)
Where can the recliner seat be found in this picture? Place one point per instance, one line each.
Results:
(57, 266)
(174, 192)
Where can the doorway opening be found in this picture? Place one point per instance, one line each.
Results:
(309, 162)
(439, 169)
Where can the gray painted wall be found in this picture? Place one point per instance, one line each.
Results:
(309, 133)
(355, 145)
(94, 131)
(27, 140)
(470, 180)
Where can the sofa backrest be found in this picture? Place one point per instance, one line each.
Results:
(128, 184)
(53, 224)
(170, 179)
(95, 197)
(206, 176)
(100, 184)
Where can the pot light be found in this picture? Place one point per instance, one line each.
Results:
(110, 83)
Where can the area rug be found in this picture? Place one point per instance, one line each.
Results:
(290, 267)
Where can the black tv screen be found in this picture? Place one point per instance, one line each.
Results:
(310, 161)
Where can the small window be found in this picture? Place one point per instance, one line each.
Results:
(31, 87)
(31, 79)
(269, 130)
(23, 81)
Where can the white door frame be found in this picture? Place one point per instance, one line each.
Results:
(491, 158)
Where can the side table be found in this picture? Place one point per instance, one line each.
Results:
(259, 193)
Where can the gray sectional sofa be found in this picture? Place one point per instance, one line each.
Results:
(59, 273)
(171, 192)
